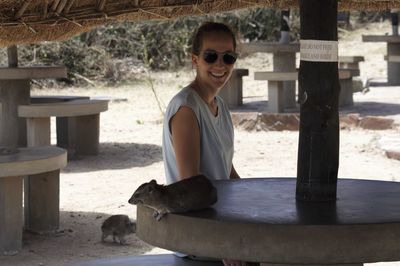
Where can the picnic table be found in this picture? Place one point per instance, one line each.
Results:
(393, 52)
(284, 60)
(41, 164)
(259, 220)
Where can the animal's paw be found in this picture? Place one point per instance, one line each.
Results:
(155, 214)
(159, 216)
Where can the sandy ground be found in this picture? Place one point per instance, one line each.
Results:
(94, 187)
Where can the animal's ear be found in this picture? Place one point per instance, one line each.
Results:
(152, 184)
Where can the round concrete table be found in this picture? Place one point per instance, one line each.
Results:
(259, 220)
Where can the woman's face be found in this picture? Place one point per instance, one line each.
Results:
(214, 75)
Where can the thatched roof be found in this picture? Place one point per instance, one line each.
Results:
(31, 21)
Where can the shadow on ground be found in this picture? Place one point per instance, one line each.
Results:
(116, 155)
(367, 108)
(373, 109)
(78, 239)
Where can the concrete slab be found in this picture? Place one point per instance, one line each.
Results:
(147, 260)
(261, 218)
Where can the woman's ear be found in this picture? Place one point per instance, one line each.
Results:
(195, 59)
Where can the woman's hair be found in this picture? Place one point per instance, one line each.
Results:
(210, 27)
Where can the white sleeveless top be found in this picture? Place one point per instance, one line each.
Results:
(216, 136)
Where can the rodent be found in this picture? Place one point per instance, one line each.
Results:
(118, 226)
(189, 194)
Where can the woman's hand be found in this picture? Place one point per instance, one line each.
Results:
(234, 263)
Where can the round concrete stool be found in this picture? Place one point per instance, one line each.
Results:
(13, 167)
(259, 220)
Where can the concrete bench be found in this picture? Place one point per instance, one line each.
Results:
(232, 92)
(77, 126)
(61, 122)
(275, 88)
(392, 58)
(41, 192)
(40, 163)
(351, 63)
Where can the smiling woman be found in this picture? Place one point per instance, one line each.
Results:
(198, 132)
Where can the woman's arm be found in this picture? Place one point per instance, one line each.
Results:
(186, 141)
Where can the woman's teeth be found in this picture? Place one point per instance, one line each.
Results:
(217, 75)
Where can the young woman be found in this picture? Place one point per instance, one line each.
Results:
(198, 132)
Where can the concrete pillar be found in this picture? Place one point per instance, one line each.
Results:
(276, 98)
(42, 202)
(232, 92)
(10, 215)
(87, 134)
(42, 191)
(38, 131)
(346, 92)
(79, 135)
(286, 62)
(13, 128)
(393, 67)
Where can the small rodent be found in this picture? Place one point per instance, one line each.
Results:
(193, 193)
(118, 226)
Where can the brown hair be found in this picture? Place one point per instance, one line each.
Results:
(209, 27)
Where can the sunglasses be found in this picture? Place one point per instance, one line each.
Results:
(211, 56)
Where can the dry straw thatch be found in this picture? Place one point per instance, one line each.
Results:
(32, 21)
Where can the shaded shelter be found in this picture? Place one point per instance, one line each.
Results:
(54, 20)
(36, 21)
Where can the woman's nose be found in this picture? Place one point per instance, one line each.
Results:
(220, 61)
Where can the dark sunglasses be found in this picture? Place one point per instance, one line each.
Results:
(211, 56)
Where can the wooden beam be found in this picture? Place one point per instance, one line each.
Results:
(68, 7)
(54, 5)
(318, 152)
(45, 7)
(101, 4)
(21, 11)
(61, 6)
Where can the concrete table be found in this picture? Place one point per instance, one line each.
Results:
(232, 92)
(393, 49)
(284, 60)
(259, 220)
(13, 167)
(15, 163)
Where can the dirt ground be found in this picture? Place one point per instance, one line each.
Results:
(95, 187)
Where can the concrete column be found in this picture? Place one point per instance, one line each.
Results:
(286, 62)
(79, 135)
(42, 191)
(275, 96)
(232, 92)
(38, 131)
(13, 128)
(10, 215)
(42, 202)
(393, 67)
(87, 134)
(346, 92)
